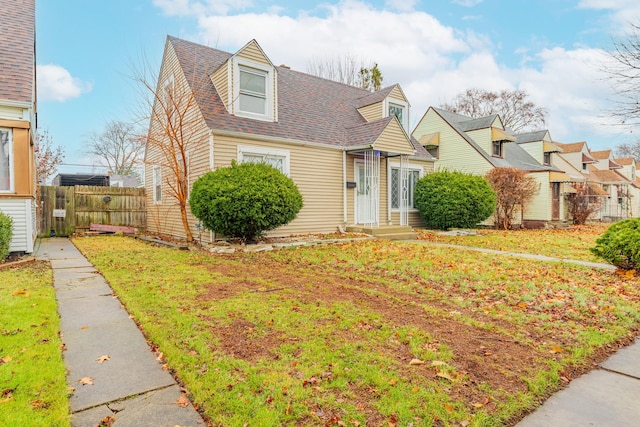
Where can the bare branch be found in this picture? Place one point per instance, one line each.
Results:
(48, 156)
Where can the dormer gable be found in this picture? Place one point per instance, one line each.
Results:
(248, 84)
(390, 101)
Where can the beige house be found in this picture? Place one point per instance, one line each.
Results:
(18, 121)
(478, 145)
(347, 149)
(629, 169)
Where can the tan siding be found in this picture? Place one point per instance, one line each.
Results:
(165, 218)
(220, 79)
(316, 171)
(371, 112)
(394, 140)
(455, 153)
(396, 93)
(253, 53)
(539, 207)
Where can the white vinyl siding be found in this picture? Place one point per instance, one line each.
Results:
(22, 213)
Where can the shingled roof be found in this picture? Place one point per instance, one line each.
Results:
(310, 108)
(535, 136)
(17, 50)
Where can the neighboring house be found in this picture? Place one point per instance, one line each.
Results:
(18, 120)
(131, 181)
(618, 202)
(478, 145)
(347, 149)
(73, 179)
(630, 171)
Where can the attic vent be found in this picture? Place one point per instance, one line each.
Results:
(285, 66)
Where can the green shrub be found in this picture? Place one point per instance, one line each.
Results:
(620, 244)
(454, 200)
(245, 200)
(6, 232)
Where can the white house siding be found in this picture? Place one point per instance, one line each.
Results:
(535, 150)
(539, 207)
(482, 137)
(21, 211)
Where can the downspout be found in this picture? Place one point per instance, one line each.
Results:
(344, 187)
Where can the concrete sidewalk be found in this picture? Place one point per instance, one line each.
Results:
(606, 396)
(130, 386)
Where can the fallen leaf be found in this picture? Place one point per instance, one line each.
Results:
(416, 362)
(160, 356)
(86, 381)
(445, 375)
(478, 405)
(437, 363)
(556, 349)
(522, 305)
(103, 358)
(84, 328)
(183, 401)
(106, 421)
(5, 359)
(21, 292)
(448, 408)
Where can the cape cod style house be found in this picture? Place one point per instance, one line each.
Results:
(347, 149)
(18, 120)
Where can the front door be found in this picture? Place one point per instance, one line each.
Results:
(555, 201)
(364, 214)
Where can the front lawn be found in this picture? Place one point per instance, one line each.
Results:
(573, 243)
(33, 389)
(370, 332)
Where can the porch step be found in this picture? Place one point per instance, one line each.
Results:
(391, 232)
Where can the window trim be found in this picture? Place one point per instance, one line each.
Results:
(546, 158)
(157, 183)
(259, 151)
(11, 188)
(410, 168)
(242, 63)
(500, 149)
(405, 114)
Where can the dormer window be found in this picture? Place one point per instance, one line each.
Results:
(253, 91)
(496, 148)
(547, 158)
(584, 167)
(400, 110)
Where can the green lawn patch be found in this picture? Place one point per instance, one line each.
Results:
(33, 390)
(369, 332)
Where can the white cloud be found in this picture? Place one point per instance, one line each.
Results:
(401, 5)
(196, 8)
(622, 12)
(55, 83)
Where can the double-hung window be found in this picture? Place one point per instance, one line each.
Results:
(253, 91)
(279, 159)
(400, 111)
(396, 187)
(157, 185)
(6, 160)
(547, 158)
(496, 149)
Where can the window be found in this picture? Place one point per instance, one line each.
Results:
(157, 185)
(547, 158)
(400, 111)
(253, 90)
(396, 187)
(584, 167)
(496, 149)
(6, 161)
(279, 159)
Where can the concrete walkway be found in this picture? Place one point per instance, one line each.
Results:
(519, 254)
(130, 386)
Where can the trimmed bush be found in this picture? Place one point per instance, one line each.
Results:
(245, 200)
(6, 233)
(620, 244)
(454, 200)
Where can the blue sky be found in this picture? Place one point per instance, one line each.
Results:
(553, 49)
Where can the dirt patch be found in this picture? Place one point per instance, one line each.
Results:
(240, 340)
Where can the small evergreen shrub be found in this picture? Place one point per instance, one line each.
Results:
(6, 233)
(454, 200)
(245, 200)
(620, 244)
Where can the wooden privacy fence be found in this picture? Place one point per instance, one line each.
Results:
(64, 210)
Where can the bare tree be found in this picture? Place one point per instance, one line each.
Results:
(347, 69)
(624, 75)
(170, 107)
(629, 149)
(516, 112)
(48, 156)
(119, 146)
(514, 188)
(583, 203)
